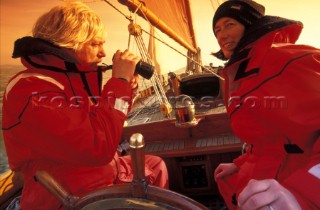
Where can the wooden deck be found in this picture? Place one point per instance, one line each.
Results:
(204, 146)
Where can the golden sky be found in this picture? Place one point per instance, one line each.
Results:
(18, 17)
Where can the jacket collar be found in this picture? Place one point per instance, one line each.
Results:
(290, 31)
(42, 54)
(29, 46)
(272, 30)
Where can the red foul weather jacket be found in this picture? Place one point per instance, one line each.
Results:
(273, 99)
(57, 118)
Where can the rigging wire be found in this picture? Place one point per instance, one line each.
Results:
(161, 96)
(160, 93)
(155, 74)
(186, 56)
(135, 30)
(165, 106)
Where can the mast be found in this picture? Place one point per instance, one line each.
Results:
(190, 23)
(196, 56)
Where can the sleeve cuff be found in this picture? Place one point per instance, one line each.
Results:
(118, 88)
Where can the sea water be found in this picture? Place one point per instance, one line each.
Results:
(6, 72)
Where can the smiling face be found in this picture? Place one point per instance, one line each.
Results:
(228, 32)
(91, 52)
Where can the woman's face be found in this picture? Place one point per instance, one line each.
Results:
(228, 32)
(91, 52)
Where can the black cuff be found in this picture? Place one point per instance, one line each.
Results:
(123, 79)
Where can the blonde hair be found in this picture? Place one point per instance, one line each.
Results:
(69, 25)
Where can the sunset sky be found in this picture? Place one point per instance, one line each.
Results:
(18, 17)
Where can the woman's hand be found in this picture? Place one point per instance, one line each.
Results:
(124, 64)
(225, 169)
(267, 194)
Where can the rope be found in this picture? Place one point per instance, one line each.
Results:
(146, 57)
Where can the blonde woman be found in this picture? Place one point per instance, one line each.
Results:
(58, 118)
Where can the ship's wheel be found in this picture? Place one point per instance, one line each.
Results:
(135, 195)
(120, 197)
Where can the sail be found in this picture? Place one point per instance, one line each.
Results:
(172, 17)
